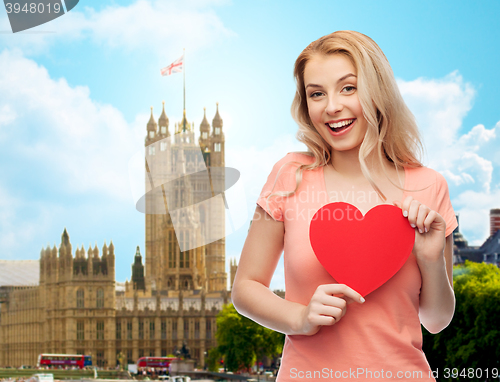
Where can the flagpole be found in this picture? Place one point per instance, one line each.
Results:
(184, 74)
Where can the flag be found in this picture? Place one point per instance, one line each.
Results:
(174, 67)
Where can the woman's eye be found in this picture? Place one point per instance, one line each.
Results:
(349, 89)
(315, 94)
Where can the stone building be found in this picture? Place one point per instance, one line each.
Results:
(488, 252)
(77, 307)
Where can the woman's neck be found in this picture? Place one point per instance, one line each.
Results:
(346, 163)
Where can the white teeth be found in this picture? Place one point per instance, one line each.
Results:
(341, 123)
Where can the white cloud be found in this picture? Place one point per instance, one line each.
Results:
(83, 143)
(160, 26)
(467, 161)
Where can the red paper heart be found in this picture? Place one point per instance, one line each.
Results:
(362, 252)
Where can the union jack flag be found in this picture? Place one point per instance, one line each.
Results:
(174, 67)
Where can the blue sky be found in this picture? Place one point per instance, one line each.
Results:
(75, 99)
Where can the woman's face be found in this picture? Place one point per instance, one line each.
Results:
(332, 99)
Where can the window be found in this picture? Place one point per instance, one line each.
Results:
(151, 134)
(100, 358)
(141, 329)
(217, 131)
(164, 131)
(151, 330)
(204, 135)
(80, 298)
(163, 330)
(209, 329)
(129, 330)
(118, 330)
(100, 298)
(151, 150)
(197, 329)
(171, 250)
(217, 147)
(141, 353)
(80, 330)
(129, 357)
(100, 330)
(186, 329)
(174, 330)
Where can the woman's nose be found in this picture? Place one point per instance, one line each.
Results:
(333, 106)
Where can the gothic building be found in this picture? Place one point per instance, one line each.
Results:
(77, 307)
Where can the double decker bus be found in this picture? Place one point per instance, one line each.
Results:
(64, 360)
(155, 362)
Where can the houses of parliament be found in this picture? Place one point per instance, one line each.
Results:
(173, 297)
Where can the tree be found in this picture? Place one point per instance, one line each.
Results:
(242, 341)
(471, 340)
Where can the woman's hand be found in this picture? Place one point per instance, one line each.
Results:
(430, 230)
(326, 307)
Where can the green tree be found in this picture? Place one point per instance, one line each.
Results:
(241, 341)
(471, 341)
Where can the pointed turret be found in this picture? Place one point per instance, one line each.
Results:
(104, 250)
(90, 263)
(152, 126)
(65, 237)
(138, 271)
(217, 142)
(205, 126)
(110, 258)
(217, 121)
(184, 126)
(163, 122)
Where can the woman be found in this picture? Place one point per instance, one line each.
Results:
(362, 149)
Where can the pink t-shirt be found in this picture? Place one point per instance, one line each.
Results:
(381, 338)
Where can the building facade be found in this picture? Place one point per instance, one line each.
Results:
(170, 302)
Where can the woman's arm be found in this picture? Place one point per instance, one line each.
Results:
(434, 254)
(251, 294)
(437, 299)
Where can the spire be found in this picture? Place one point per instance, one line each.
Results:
(152, 126)
(138, 281)
(65, 237)
(217, 121)
(204, 126)
(185, 125)
(163, 121)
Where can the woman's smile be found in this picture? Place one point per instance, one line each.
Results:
(334, 109)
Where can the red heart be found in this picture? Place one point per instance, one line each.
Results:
(362, 252)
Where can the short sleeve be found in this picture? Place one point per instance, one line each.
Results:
(281, 179)
(444, 207)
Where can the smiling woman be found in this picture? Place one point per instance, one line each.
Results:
(362, 140)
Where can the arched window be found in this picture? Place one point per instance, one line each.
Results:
(100, 298)
(80, 298)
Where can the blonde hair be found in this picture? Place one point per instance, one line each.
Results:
(392, 129)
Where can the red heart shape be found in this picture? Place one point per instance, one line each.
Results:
(362, 252)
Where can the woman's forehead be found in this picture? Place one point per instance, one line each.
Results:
(328, 67)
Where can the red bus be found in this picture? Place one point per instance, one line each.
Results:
(163, 362)
(64, 360)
